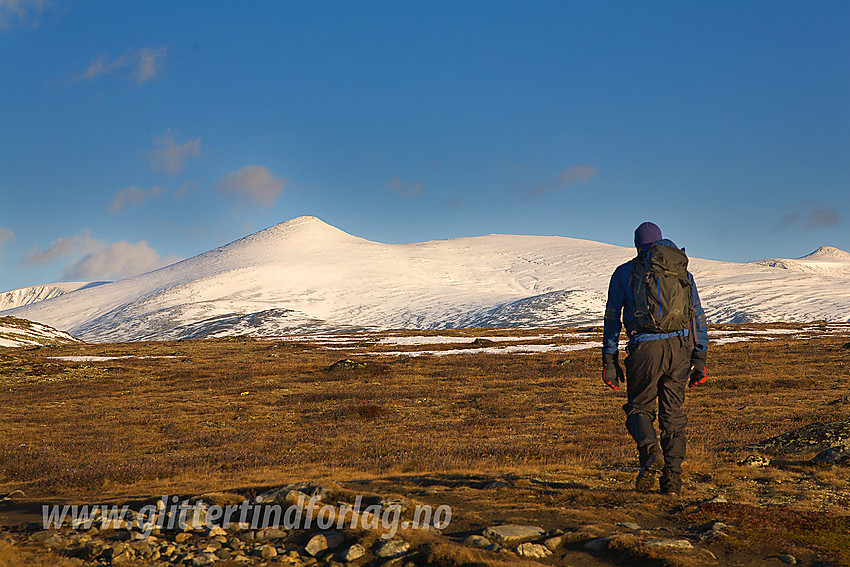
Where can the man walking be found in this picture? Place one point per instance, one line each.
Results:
(668, 339)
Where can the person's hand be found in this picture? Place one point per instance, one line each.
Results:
(699, 373)
(612, 373)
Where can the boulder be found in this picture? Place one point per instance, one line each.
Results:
(532, 550)
(510, 535)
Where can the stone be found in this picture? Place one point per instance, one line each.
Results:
(755, 461)
(832, 456)
(477, 541)
(345, 364)
(393, 548)
(532, 550)
(323, 541)
(597, 544)
(510, 535)
(223, 553)
(788, 559)
(268, 551)
(387, 503)
(809, 438)
(717, 500)
(554, 542)
(629, 526)
(668, 543)
(216, 531)
(353, 553)
(204, 559)
(496, 484)
(269, 534)
(182, 537)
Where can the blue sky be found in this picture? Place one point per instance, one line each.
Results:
(137, 133)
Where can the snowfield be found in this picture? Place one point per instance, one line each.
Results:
(305, 276)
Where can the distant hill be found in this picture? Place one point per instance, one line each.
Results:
(36, 293)
(304, 275)
(15, 332)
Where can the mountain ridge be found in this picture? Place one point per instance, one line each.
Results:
(305, 273)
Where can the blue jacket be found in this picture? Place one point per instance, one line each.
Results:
(622, 300)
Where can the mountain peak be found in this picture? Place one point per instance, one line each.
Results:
(827, 252)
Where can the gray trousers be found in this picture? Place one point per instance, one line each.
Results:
(658, 370)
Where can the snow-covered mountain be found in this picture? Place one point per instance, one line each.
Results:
(36, 293)
(305, 275)
(16, 332)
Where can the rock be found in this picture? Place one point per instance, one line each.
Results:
(216, 531)
(346, 364)
(497, 484)
(269, 534)
(204, 559)
(477, 541)
(510, 535)
(668, 543)
(387, 503)
(554, 542)
(788, 558)
(597, 544)
(832, 456)
(353, 553)
(810, 438)
(755, 461)
(223, 554)
(320, 542)
(717, 500)
(182, 537)
(479, 342)
(393, 548)
(845, 345)
(268, 551)
(629, 526)
(533, 550)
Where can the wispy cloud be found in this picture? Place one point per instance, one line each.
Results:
(132, 197)
(64, 247)
(809, 217)
(581, 173)
(117, 261)
(408, 191)
(252, 183)
(22, 12)
(169, 156)
(5, 236)
(143, 65)
(578, 173)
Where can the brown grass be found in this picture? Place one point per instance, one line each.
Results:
(232, 413)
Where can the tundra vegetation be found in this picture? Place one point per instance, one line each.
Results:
(532, 439)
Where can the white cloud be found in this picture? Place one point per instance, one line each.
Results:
(132, 197)
(5, 236)
(409, 191)
(169, 156)
(810, 216)
(82, 243)
(25, 12)
(144, 64)
(581, 173)
(252, 183)
(116, 261)
(149, 64)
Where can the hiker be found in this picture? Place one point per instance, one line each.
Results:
(668, 341)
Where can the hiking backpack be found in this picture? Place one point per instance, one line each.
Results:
(662, 290)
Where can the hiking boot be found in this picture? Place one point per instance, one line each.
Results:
(650, 466)
(671, 484)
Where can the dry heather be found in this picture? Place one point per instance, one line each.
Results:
(211, 415)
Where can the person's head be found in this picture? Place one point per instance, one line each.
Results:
(646, 234)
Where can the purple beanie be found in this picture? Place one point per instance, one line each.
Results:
(646, 234)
